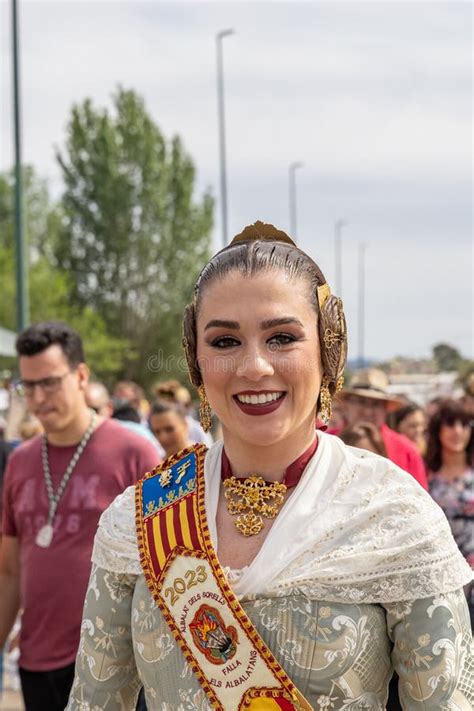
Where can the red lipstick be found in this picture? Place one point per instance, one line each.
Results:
(265, 409)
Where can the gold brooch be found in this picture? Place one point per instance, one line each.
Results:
(252, 498)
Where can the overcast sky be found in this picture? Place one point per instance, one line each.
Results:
(375, 98)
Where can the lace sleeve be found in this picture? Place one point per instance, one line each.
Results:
(433, 652)
(106, 677)
(115, 544)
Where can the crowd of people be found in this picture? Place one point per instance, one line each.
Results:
(434, 444)
(80, 450)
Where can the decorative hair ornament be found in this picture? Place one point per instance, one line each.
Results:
(186, 349)
(205, 412)
(261, 231)
(324, 292)
(189, 345)
(330, 338)
(333, 339)
(325, 409)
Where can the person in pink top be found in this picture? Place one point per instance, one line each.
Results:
(56, 487)
(368, 400)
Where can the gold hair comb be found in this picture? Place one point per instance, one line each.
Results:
(324, 292)
(263, 231)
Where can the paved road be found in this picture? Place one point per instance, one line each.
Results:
(10, 701)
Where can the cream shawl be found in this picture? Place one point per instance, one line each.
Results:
(355, 529)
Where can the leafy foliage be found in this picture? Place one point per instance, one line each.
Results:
(48, 285)
(132, 238)
(446, 357)
(118, 255)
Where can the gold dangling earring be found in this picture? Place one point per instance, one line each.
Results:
(325, 400)
(205, 412)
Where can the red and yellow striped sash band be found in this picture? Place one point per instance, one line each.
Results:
(235, 668)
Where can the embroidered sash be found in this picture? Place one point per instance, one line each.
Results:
(235, 668)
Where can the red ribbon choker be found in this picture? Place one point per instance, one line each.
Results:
(293, 472)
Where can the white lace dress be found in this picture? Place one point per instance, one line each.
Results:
(359, 575)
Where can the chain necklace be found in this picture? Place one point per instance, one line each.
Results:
(44, 536)
(252, 498)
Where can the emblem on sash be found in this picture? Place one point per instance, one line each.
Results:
(235, 668)
(211, 636)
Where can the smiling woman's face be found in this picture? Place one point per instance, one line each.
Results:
(258, 350)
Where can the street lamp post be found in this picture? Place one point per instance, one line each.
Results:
(338, 257)
(21, 257)
(293, 167)
(361, 305)
(220, 108)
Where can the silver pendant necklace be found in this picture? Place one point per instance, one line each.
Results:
(44, 536)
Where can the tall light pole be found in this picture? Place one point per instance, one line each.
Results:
(338, 257)
(220, 108)
(292, 168)
(21, 256)
(361, 304)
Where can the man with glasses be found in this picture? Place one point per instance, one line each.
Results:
(56, 486)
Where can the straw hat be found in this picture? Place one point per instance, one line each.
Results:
(372, 383)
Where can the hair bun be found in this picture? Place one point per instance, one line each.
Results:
(262, 231)
(333, 339)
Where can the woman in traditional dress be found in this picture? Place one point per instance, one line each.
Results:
(280, 569)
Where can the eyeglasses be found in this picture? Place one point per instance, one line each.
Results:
(48, 385)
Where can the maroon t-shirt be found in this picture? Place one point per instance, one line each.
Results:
(54, 580)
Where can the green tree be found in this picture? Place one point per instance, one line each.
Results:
(446, 357)
(133, 236)
(38, 209)
(466, 373)
(48, 285)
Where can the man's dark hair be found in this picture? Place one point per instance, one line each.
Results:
(40, 336)
(124, 410)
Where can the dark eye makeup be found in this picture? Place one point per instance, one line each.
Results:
(224, 342)
(278, 339)
(282, 339)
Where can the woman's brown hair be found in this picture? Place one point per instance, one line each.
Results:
(161, 407)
